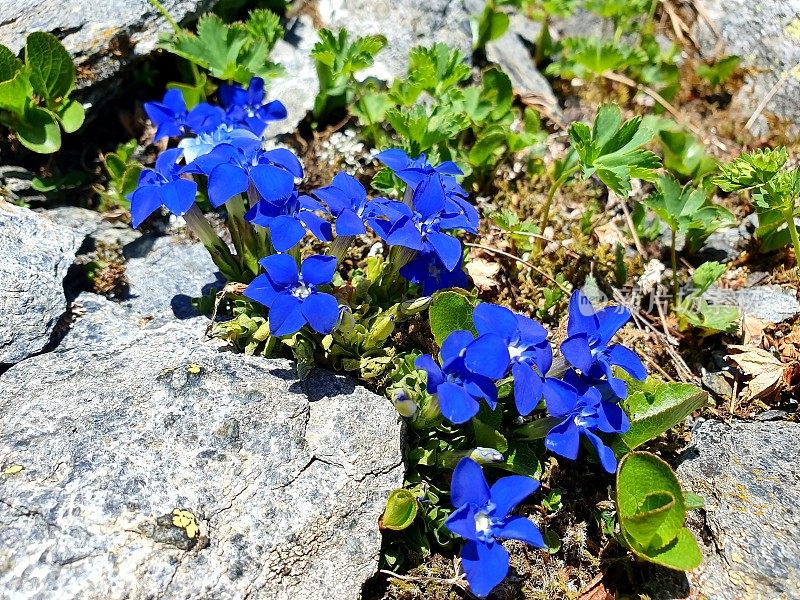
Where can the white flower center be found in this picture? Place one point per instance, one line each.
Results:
(301, 291)
(483, 524)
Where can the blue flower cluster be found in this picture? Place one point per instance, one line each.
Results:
(585, 397)
(224, 144)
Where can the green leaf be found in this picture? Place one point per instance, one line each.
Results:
(487, 436)
(436, 69)
(401, 510)
(751, 169)
(693, 501)
(51, 70)
(15, 92)
(490, 25)
(651, 509)
(719, 72)
(520, 459)
(38, 130)
(707, 275)
(450, 310)
(71, 115)
(655, 410)
(10, 65)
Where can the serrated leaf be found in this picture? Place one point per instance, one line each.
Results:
(751, 169)
(52, 73)
(655, 410)
(450, 311)
(401, 510)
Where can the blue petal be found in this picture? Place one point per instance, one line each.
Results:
(627, 359)
(224, 182)
(178, 196)
(527, 388)
(285, 232)
(576, 350)
(285, 158)
(318, 226)
(394, 158)
(456, 404)
(255, 91)
(286, 315)
(604, 453)
(232, 95)
(318, 269)
(582, 317)
(564, 439)
(321, 311)
(611, 319)
(272, 182)
(611, 418)
(508, 492)
(487, 356)
(447, 247)
(145, 200)
(349, 223)
(404, 233)
(491, 318)
(468, 485)
(560, 397)
(617, 385)
(454, 343)
(281, 269)
(429, 197)
(448, 167)
(166, 163)
(462, 522)
(522, 529)
(204, 118)
(262, 290)
(485, 565)
(435, 375)
(531, 333)
(273, 111)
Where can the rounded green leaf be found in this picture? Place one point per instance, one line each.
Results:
(450, 310)
(681, 554)
(52, 71)
(71, 116)
(649, 501)
(39, 131)
(401, 510)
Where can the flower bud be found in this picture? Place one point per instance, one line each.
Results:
(403, 402)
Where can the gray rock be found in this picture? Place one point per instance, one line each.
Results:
(405, 23)
(164, 274)
(92, 224)
(102, 37)
(35, 255)
(16, 185)
(300, 86)
(766, 35)
(282, 479)
(726, 245)
(513, 56)
(749, 476)
(769, 303)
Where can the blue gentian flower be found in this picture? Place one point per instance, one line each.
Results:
(414, 171)
(347, 200)
(162, 186)
(588, 413)
(233, 167)
(169, 115)
(292, 296)
(588, 346)
(529, 353)
(482, 518)
(287, 221)
(428, 271)
(458, 388)
(246, 107)
(203, 143)
(421, 227)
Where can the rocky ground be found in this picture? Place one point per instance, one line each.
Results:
(139, 459)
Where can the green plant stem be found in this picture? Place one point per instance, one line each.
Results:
(676, 289)
(244, 237)
(549, 203)
(220, 253)
(174, 24)
(790, 224)
(371, 127)
(339, 246)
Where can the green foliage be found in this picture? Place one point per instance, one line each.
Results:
(686, 210)
(490, 25)
(338, 59)
(518, 231)
(685, 155)
(123, 172)
(613, 151)
(450, 310)
(591, 57)
(718, 73)
(774, 193)
(695, 311)
(401, 510)
(34, 96)
(231, 52)
(654, 407)
(652, 511)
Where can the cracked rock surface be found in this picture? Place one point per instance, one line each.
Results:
(138, 460)
(103, 36)
(35, 254)
(749, 476)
